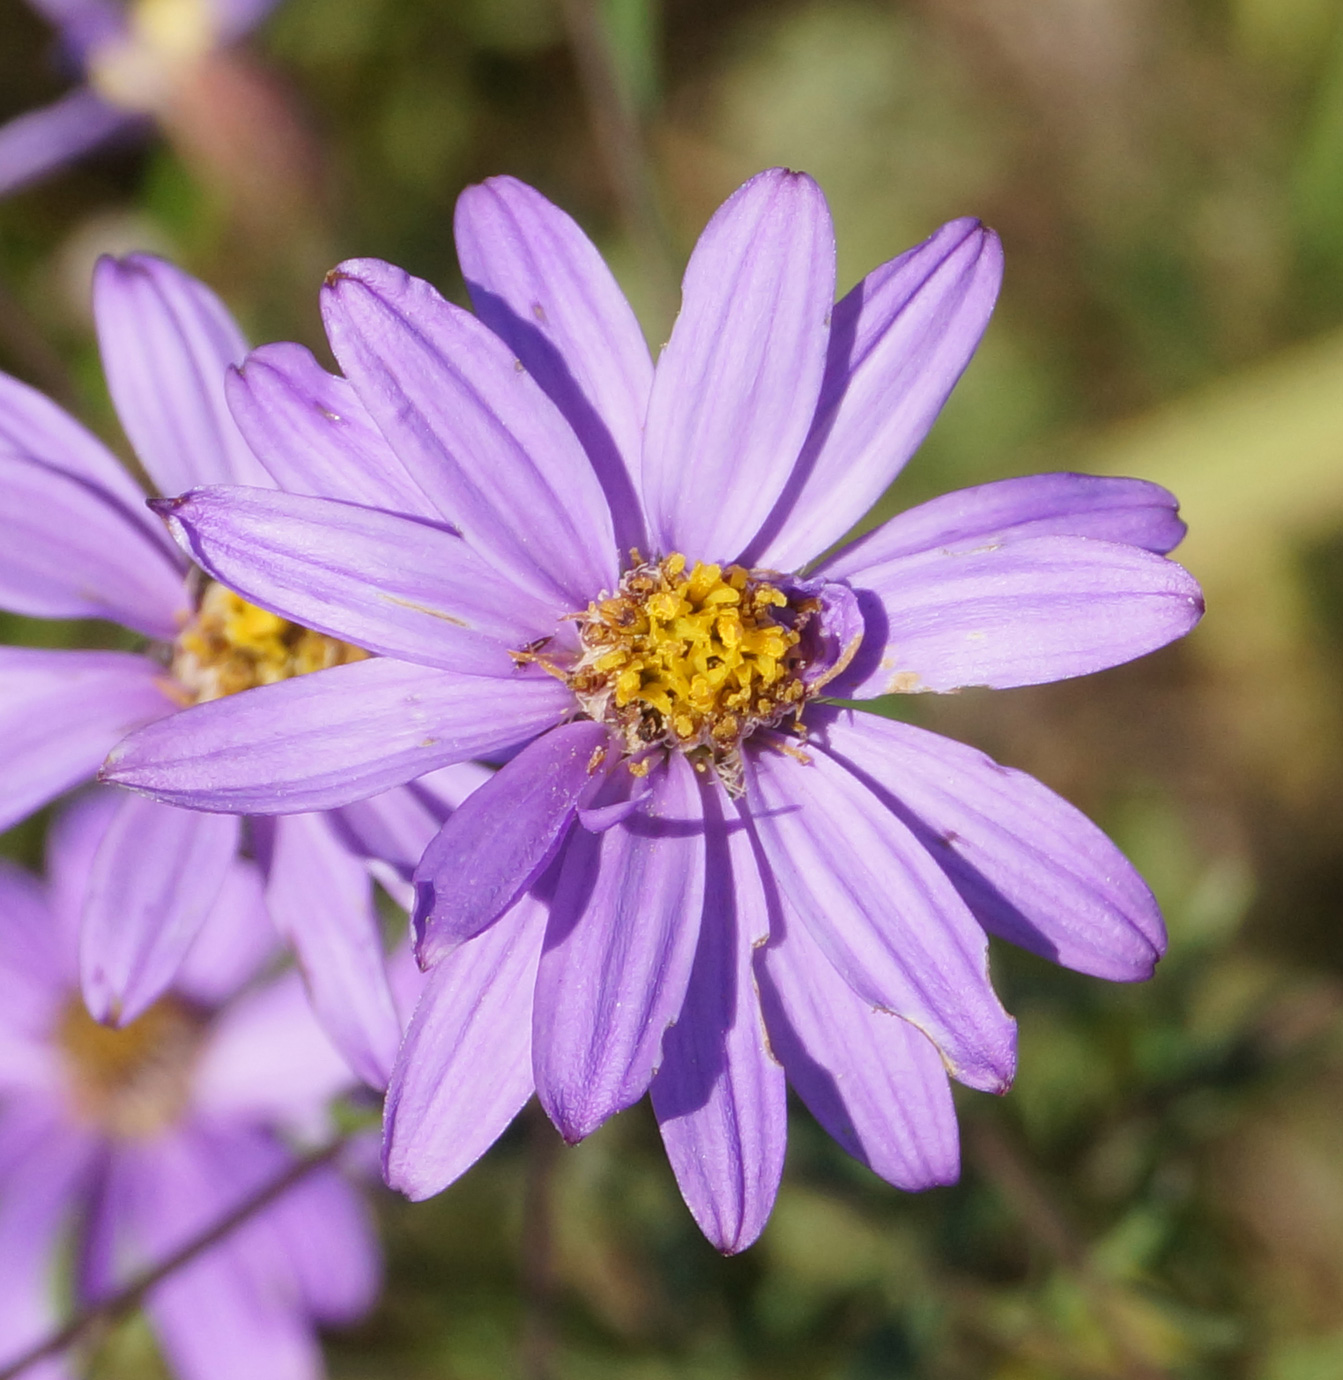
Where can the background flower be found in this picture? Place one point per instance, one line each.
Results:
(139, 1139)
(81, 543)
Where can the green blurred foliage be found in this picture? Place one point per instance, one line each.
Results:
(1162, 1192)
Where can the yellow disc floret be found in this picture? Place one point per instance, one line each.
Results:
(132, 1082)
(689, 658)
(231, 645)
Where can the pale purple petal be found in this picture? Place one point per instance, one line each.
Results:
(313, 434)
(76, 834)
(34, 985)
(236, 18)
(475, 431)
(736, 385)
(327, 1235)
(267, 1060)
(235, 941)
(538, 282)
(166, 342)
(226, 1314)
(44, 1163)
(1032, 868)
(158, 873)
(871, 1079)
(397, 826)
(73, 551)
(1023, 613)
(33, 426)
(83, 24)
(37, 143)
(719, 1095)
(465, 1069)
(502, 837)
(881, 910)
(898, 343)
(321, 898)
(619, 948)
(394, 585)
(59, 714)
(1132, 512)
(326, 739)
(34, 972)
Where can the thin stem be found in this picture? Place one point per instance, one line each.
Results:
(620, 145)
(127, 1299)
(538, 1264)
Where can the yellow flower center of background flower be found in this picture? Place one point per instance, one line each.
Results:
(132, 1082)
(231, 645)
(688, 659)
(163, 39)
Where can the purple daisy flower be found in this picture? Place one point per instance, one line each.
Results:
(142, 1138)
(80, 543)
(130, 54)
(693, 873)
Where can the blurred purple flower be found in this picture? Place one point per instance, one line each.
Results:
(148, 1135)
(131, 56)
(80, 543)
(692, 875)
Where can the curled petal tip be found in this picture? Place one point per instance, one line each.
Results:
(165, 507)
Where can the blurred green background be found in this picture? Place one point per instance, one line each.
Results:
(1161, 1194)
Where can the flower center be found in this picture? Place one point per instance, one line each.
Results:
(691, 659)
(132, 1082)
(231, 645)
(163, 38)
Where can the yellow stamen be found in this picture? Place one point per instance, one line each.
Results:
(231, 645)
(692, 658)
(132, 1082)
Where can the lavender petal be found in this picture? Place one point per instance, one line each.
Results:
(34, 427)
(157, 875)
(320, 897)
(332, 737)
(270, 1027)
(538, 283)
(1032, 868)
(465, 1069)
(619, 948)
(225, 1314)
(60, 712)
(719, 1095)
(73, 551)
(881, 910)
(34, 987)
(898, 343)
(502, 837)
(43, 1166)
(313, 434)
(1131, 512)
(736, 386)
(235, 941)
(475, 431)
(326, 1236)
(1023, 613)
(37, 143)
(167, 342)
(871, 1079)
(395, 828)
(394, 585)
